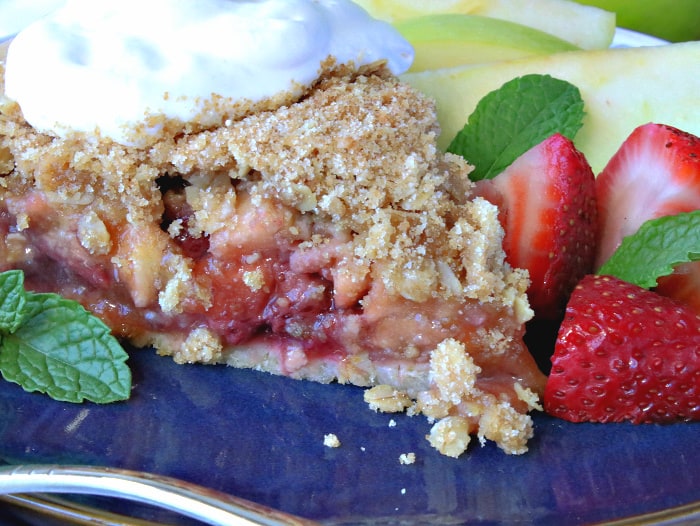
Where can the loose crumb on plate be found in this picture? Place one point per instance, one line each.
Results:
(331, 440)
(407, 458)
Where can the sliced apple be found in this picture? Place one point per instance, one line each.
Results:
(3, 50)
(674, 20)
(584, 26)
(447, 40)
(621, 89)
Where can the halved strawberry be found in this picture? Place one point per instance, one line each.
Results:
(655, 173)
(624, 353)
(548, 210)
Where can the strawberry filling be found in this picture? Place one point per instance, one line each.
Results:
(266, 286)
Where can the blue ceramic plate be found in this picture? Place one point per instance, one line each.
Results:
(260, 437)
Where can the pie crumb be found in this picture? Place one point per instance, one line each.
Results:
(407, 458)
(331, 440)
(450, 436)
(527, 396)
(387, 399)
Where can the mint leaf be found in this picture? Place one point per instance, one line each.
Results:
(655, 249)
(62, 350)
(512, 119)
(12, 300)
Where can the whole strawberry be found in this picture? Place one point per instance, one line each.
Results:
(624, 353)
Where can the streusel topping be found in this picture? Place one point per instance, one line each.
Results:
(360, 150)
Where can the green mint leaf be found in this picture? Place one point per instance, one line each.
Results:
(12, 300)
(655, 249)
(512, 119)
(62, 350)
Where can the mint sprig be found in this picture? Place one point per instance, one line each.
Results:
(53, 345)
(656, 249)
(512, 119)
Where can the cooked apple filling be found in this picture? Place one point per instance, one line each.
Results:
(324, 239)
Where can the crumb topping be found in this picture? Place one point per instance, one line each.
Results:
(359, 150)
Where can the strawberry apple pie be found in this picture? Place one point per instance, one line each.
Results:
(316, 232)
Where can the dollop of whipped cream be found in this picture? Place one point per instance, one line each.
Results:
(106, 65)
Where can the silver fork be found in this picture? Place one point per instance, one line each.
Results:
(24, 486)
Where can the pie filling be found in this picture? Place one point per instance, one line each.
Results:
(327, 239)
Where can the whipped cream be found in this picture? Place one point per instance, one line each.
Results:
(104, 66)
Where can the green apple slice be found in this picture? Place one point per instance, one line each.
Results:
(621, 89)
(674, 20)
(3, 50)
(447, 40)
(584, 26)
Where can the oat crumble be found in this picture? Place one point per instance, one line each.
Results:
(407, 458)
(331, 440)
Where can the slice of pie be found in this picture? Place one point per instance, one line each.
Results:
(327, 239)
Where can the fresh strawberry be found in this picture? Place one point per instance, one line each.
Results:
(655, 173)
(624, 353)
(548, 210)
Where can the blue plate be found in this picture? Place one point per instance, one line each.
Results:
(260, 437)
